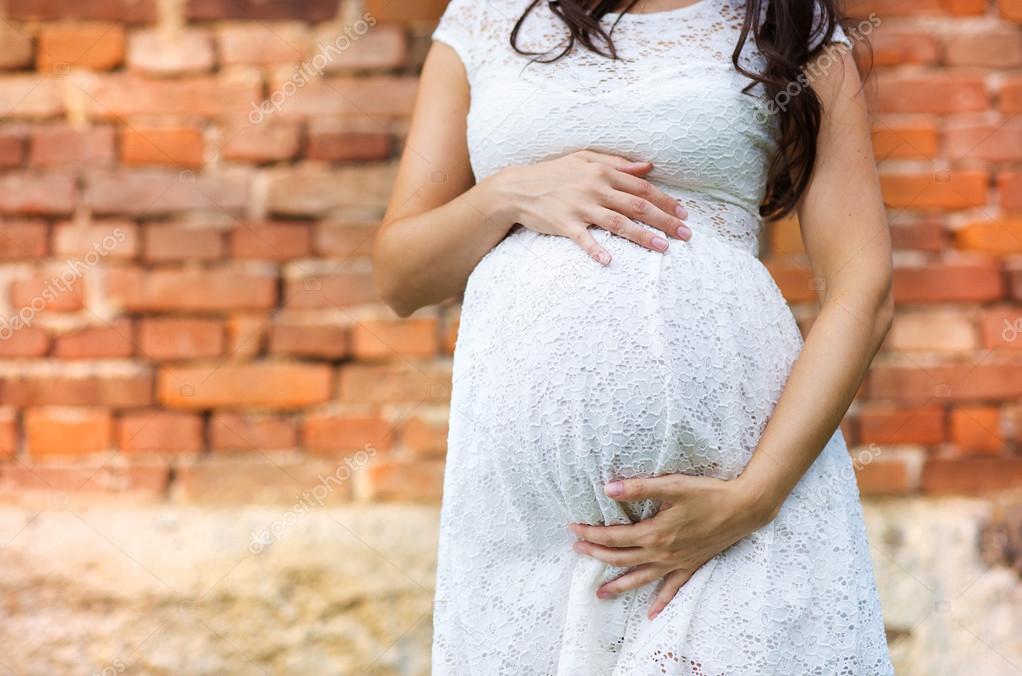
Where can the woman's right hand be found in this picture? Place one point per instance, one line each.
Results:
(566, 195)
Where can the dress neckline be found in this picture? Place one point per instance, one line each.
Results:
(664, 13)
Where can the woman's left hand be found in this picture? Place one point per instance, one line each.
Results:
(699, 517)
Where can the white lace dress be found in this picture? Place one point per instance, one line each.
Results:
(568, 374)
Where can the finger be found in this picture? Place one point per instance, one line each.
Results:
(641, 209)
(667, 487)
(624, 558)
(633, 579)
(672, 584)
(642, 188)
(581, 236)
(628, 535)
(616, 162)
(623, 226)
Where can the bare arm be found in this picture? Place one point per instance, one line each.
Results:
(440, 223)
(846, 236)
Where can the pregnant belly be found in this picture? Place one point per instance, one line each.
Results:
(568, 374)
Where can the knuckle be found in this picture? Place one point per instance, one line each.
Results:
(640, 206)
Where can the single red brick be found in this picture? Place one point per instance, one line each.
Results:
(96, 46)
(931, 331)
(890, 8)
(964, 281)
(128, 11)
(977, 476)
(795, 281)
(30, 193)
(1011, 96)
(65, 146)
(108, 341)
(338, 141)
(269, 385)
(895, 47)
(977, 428)
(907, 140)
(339, 289)
(8, 433)
(56, 292)
(107, 240)
(884, 477)
(998, 236)
(67, 431)
(1001, 142)
(216, 290)
(932, 92)
(990, 46)
(918, 234)
(936, 190)
(264, 44)
(316, 192)
(246, 335)
(1011, 9)
(147, 480)
(271, 241)
(376, 96)
(891, 424)
(252, 432)
(304, 340)
(171, 53)
(403, 481)
(164, 243)
(1002, 329)
(329, 433)
(382, 340)
(22, 240)
(269, 10)
(118, 389)
(271, 140)
(952, 383)
(404, 382)
(424, 437)
(156, 431)
(127, 94)
(171, 338)
(30, 96)
(151, 192)
(340, 48)
(343, 240)
(169, 146)
(425, 10)
(18, 340)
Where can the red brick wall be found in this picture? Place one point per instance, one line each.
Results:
(185, 289)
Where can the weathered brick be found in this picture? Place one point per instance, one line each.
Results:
(1011, 9)
(30, 96)
(980, 475)
(423, 437)
(1009, 184)
(49, 292)
(15, 47)
(127, 94)
(884, 477)
(905, 140)
(401, 481)
(269, 10)
(1011, 96)
(107, 341)
(399, 12)
(61, 388)
(129, 11)
(401, 382)
(21, 240)
(134, 480)
(932, 331)
(66, 146)
(67, 431)
(946, 190)
(891, 424)
(261, 480)
(999, 236)
(173, 338)
(953, 383)
(199, 290)
(252, 432)
(271, 241)
(346, 433)
(268, 385)
(990, 44)
(63, 46)
(168, 146)
(22, 341)
(158, 431)
(163, 243)
(109, 240)
(975, 281)
(976, 428)
(347, 141)
(933, 92)
(317, 192)
(264, 44)
(304, 340)
(1002, 328)
(340, 48)
(179, 52)
(8, 433)
(13, 143)
(151, 192)
(340, 289)
(246, 335)
(890, 8)
(381, 340)
(31, 193)
(382, 96)
(272, 140)
(895, 47)
(1000, 142)
(343, 240)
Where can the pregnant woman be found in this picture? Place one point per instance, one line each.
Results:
(644, 474)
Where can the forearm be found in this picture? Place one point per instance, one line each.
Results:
(427, 258)
(836, 355)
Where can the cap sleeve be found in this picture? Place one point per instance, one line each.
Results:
(457, 27)
(819, 34)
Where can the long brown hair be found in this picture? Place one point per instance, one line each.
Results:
(783, 35)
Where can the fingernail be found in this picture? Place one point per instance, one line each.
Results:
(603, 258)
(682, 212)
(614, 488)
(659, 243)
(603, 594)
(684, 232)
(652, 616)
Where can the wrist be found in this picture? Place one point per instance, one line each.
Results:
(758, 499)
(497, 202)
